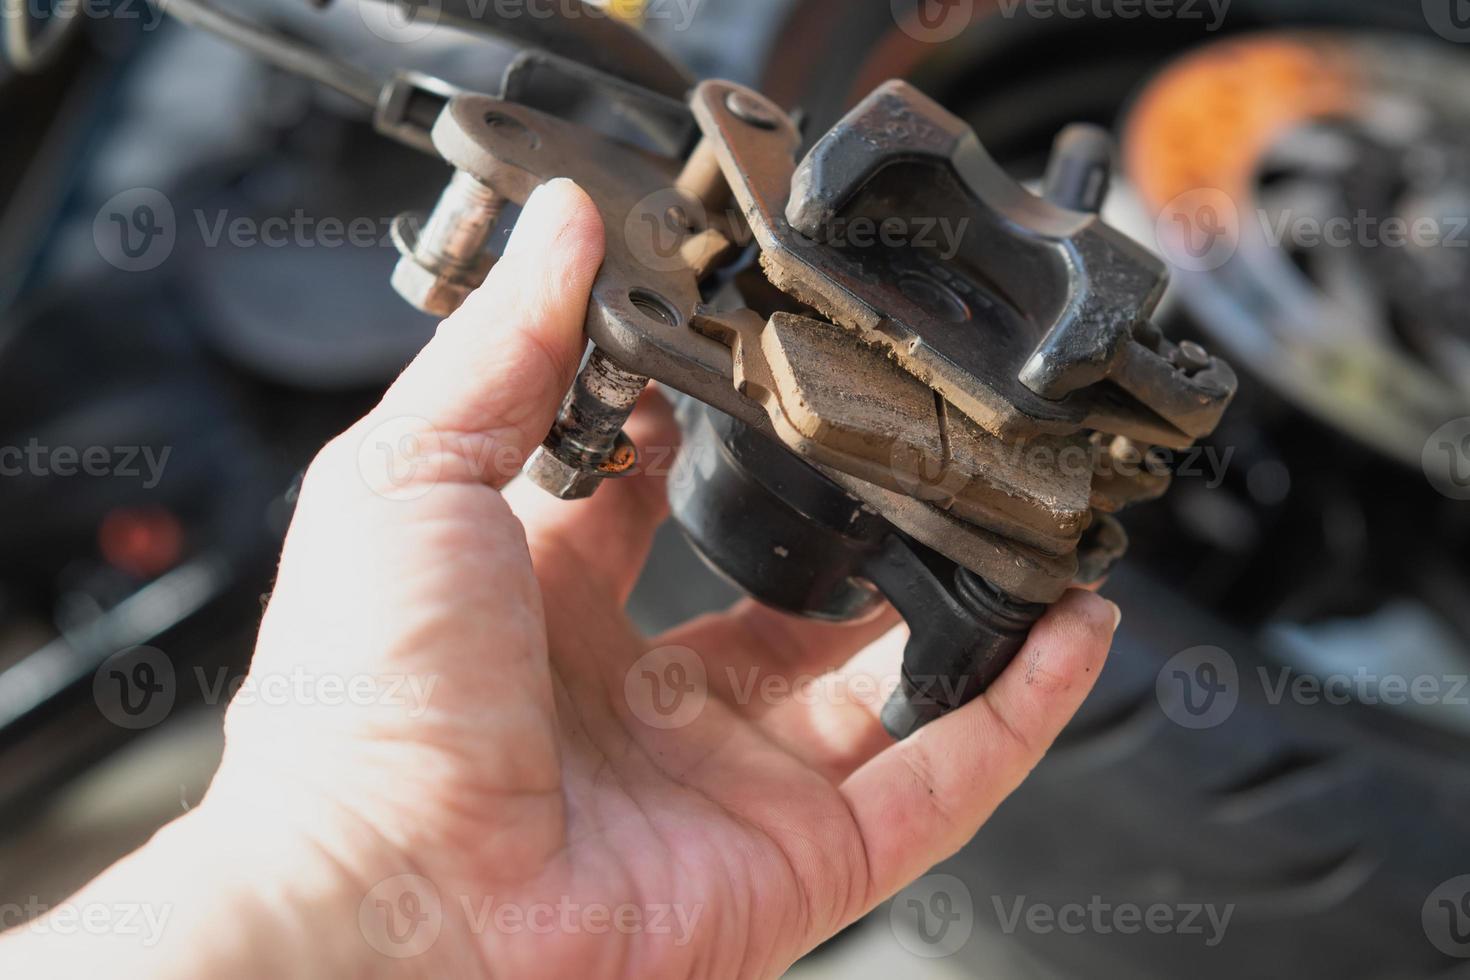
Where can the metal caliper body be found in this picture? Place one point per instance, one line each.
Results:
(936, 388)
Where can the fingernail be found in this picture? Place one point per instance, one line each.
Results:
(1117, 614)
(532, 199)
(536, 194)
(530, 206)
(527, 222)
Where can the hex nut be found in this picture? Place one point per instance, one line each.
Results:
(428, 291)
(561, 479)
(428, 284)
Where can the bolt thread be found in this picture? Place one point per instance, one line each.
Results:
(596, 408)
(460, 224)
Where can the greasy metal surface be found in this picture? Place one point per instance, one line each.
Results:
(1017, 327)
(645, 294)
(602, 398)
(1103, 546)
(514, 149)
(923, 399)
(1025, 573)
(1126, 474)
(934, 442)
(575, 480)
(586, 444)
(965, 634)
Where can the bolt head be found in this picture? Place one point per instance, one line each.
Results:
(751, 110)
(560, 479)
(428, 290)
(1192, 357)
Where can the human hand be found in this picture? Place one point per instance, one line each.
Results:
(502, 823)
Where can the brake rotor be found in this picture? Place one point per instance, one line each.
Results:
(1312, 191)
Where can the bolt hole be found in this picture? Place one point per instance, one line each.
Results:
(654, 306)
(512, 128)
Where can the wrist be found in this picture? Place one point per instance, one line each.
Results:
(320, 892)
(232, 889)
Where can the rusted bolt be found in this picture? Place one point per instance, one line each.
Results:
(445, 260)
(587, 444)
(561, 479)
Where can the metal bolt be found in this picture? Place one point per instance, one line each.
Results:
(1191, 357)
(561, 479)
(752, 110)
(1080, 168)
(445, 260)
(587, 444)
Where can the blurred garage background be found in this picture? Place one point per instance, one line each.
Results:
(1272, 777)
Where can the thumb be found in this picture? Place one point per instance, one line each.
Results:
(399, 561)
(495, 372)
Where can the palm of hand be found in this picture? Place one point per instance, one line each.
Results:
(535, 799)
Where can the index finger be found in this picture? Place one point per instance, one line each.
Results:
(919, 801)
